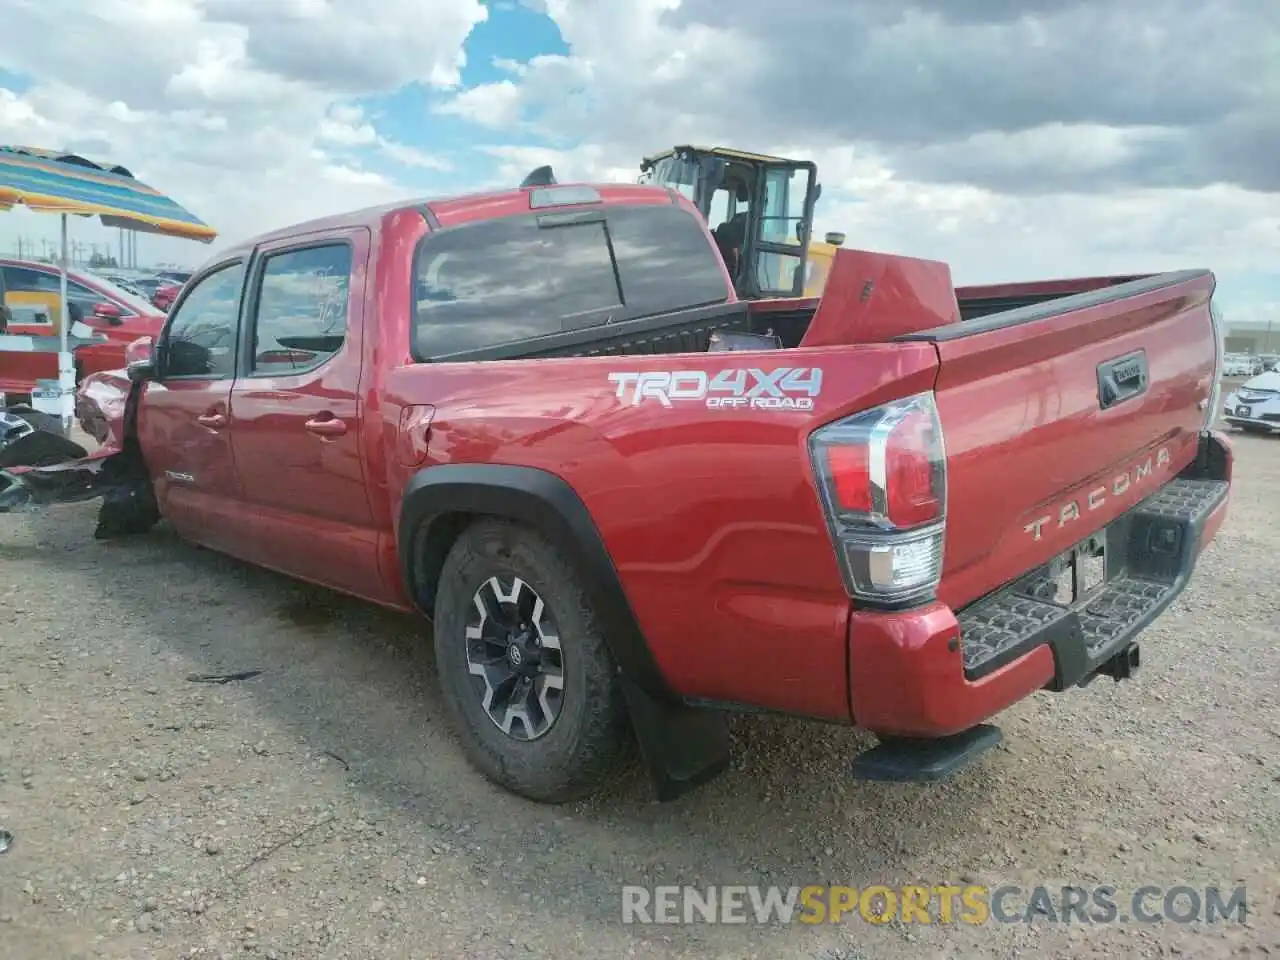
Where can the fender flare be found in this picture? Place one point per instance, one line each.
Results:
(546, 503)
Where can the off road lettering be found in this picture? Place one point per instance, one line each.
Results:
(750, 388)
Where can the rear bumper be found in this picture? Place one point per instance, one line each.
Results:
(932, 672)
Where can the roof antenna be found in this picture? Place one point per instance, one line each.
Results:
(541, 177)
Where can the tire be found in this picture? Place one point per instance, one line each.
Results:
(588, 740)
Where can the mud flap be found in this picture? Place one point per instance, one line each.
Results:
(682, 747)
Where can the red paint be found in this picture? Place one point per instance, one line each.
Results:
(905, 680)
(1024, 433)
(711, 517)
(414, 434)
(873, 297)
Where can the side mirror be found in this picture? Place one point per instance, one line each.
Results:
(108, 312)
(141, 371)
(139, 349)
(139, 361)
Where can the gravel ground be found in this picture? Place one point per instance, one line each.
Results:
(321, 809)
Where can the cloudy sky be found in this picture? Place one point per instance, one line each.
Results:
(1018, 139)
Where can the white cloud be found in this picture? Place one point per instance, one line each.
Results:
(214, 103)
(351, 46)
(491, 104)
(346, 126)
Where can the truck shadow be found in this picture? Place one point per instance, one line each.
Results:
(349, 679)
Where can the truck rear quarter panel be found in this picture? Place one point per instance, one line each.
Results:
(710, 515)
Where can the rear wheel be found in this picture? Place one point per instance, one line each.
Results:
(527, 676)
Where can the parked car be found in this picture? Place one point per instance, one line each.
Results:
(164, 296)
(630, 503)
(148, 286)
(1255, 405)
(1237, 365)
(32, 292)
(124, 283)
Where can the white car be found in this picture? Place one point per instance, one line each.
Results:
(1237, 366)
(1255, 406)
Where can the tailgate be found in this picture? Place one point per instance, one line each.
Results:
(1061, 416)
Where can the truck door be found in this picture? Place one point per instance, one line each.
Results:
(296, 404)
(185, 420)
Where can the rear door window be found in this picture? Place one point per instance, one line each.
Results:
(301, 316)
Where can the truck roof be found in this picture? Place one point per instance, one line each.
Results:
(451, 211)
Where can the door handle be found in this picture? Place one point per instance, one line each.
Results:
(327, 427)
(214, 421)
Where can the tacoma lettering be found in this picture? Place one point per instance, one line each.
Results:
(1071, 511)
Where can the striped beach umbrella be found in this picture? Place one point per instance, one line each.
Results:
(49, 181)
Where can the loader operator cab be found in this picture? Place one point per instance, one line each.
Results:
(759, 209)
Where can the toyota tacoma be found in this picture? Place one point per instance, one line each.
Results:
(631, 500)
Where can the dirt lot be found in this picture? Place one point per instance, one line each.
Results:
(321, 809)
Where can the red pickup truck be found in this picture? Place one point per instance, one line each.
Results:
(631, 502)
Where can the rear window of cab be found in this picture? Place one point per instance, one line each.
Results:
(497, 282)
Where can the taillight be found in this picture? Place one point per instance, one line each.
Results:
(882, 475)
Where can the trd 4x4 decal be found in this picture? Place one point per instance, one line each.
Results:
(783, 388)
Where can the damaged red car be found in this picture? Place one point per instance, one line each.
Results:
(632, 500)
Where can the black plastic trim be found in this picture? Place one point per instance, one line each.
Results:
(548, 504)
(1122, 378)
(567, 342)
(915, 760)
(432, 220)
(1054, 307)
(682, 747)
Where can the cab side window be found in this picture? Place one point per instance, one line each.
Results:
(201, 336)
(301, 320)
